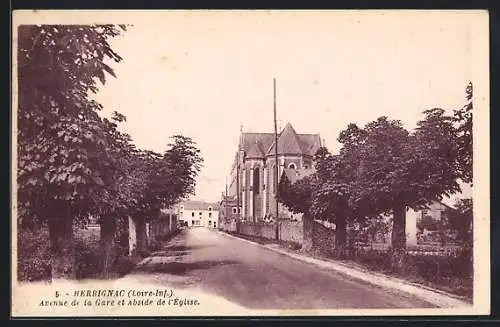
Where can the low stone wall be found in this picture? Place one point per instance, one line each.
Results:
(257, 229)
(228, 226)
(291, 231)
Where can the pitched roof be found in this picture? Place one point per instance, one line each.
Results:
(255, 144)
(288, 142)
(199, 205)
(259, 145)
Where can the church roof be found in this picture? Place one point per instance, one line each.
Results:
(260, 145)
(288, 142)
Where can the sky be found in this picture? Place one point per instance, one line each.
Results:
(205, 75)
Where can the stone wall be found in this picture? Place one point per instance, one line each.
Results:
(257, 229)
(291, 231)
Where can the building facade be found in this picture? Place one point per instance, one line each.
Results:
(199, 214)
(253, 176)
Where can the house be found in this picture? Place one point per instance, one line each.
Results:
(436, 210)
(228, 210)
(199, 213)
(253, 174)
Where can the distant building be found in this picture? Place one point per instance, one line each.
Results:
(199, 213)
(253, 176)
(228, 210)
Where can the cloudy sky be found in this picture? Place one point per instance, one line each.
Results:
(205, 74)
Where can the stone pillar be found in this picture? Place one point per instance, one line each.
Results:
(132, 236)
(244, 193)
(251, 198)
(411, 227)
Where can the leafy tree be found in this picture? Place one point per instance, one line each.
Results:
(61, 143)
(463, 118)
(399, 170)
(297, 197)
(119, 194)
(460, 219)
(169, 178)
(331, 197)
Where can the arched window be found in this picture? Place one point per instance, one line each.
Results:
(256, 180)
(292, 166)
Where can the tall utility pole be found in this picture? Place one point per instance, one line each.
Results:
(276, 169)
(238, 183)
(225, 204)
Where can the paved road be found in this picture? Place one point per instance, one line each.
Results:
(258, 278)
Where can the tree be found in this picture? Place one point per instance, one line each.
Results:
(332, 194)
(399, 170)
(169, 178)
(297, 197)
(463, 120)
(121, 190)
(460, 219)
(62, 158)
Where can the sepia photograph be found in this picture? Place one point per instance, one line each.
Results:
(250, 163)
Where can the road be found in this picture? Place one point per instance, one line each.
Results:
(258, 278)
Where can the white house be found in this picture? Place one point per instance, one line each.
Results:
(199, 213)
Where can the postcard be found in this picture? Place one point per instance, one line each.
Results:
(250, 163)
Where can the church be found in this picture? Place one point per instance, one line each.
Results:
(253, 177)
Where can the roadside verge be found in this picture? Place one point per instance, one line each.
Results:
(433, 296)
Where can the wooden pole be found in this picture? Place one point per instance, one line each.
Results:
(276, 170)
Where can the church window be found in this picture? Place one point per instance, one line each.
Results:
(256, 180)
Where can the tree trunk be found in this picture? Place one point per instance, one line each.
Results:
(62, 247)
(140, 230)
(340, 236)
(307, 233)
(108, 229)
(399, 238)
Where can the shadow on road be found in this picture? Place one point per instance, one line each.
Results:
(169, 253)
(188, 248)
(182, 268)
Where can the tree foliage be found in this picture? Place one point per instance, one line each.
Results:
(62, 155)
(463, 119)
(460, 220)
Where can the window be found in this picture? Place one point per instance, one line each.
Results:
(306, 167)
(235, 210)
(292, 166)
(201, 213)
(209, 208)
(256, 180)
(192, 214)
(209, 215)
